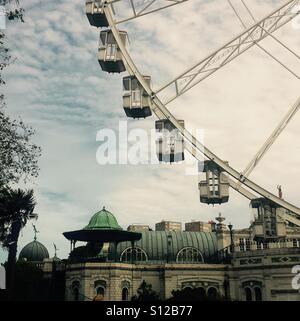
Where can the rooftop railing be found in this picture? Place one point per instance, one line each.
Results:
(225, 255)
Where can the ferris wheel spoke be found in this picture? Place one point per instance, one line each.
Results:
(286, 119)
(272, 36)
(270, 141)
(292, 219)
(258, 45)
(141, 8)
(231, 50)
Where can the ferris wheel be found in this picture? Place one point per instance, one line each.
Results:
(141, 101)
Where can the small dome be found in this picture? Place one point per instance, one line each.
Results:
(103, 220)
(34, 252)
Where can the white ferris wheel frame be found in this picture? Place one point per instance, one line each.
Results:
(237, 180)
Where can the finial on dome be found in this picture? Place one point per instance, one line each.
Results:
(55, 250)
(103, 208)
(35, 231)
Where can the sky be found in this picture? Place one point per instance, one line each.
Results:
(57, 86)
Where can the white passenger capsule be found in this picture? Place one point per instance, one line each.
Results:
(109, 54)
(268, 220)
(169, 144)
(95, 13)
(215, 188)
(136, 102)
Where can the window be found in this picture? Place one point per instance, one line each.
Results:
(100, 291)
(248, 294)
(189, 255)
(296, 243)
(257, 293)
(75, 290)
(111, 52)
(188, 288)
(242, 245)
(200, 293)
(126, 84)
(103, 38)
(136, 98)
(135, 254)
(213, 181)
(134, 84)
(252, 290)
(100, 288)
(248, 247)
(212, 294)
(125, 294)
(245, 244)
(110, 38)
(75, 294)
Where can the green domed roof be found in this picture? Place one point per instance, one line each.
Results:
(34, 252)
(155, 245)
(103, 220)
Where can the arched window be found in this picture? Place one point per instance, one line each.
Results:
(100, 291)
(125, 293)
(100, 286)
(187, 287)
(75, 290)
(258, 294)
(189, 255)
(76, 294)
(200, 293)
(187, 292)
(212, 294)
(248, 294)
(135, 254)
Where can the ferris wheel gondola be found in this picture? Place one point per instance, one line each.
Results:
(214, 189)
(95, 13)
(169, 143)
(136, 101)
(109, 54)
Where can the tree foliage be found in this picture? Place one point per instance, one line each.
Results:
(18, 160)
(145, 293)
(18, 155)
(195, 294)
(12, 14)
(16, 205)
(16, 208)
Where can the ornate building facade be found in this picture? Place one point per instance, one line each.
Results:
(220, 262)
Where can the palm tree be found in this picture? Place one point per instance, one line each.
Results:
(16, 208)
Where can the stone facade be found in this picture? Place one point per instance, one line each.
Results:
(163, 278)
(246, 270)
(270, 270)
(222, 263)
